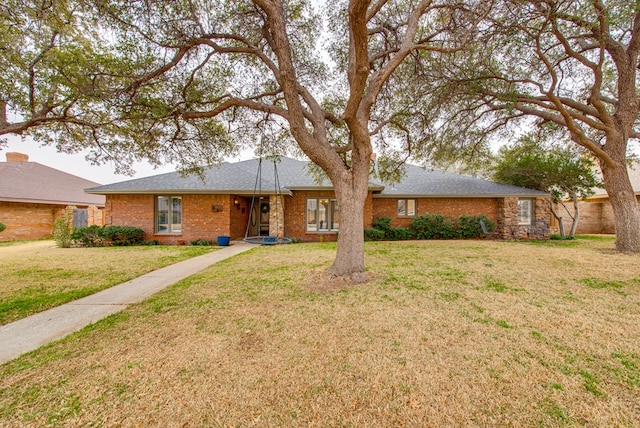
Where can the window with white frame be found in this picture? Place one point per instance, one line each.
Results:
(323, 215)
(407, 208)
(525, 212)
(169, 214)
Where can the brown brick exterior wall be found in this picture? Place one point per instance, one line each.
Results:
(295, 214)
(130, 210)
(596, 216)
(239, 216)
(203, 217)
(28, 221)
(208, 216)
(453, 207)
(35, 221)
(593, 216)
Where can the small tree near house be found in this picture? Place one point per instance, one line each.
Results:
(563, 172)
(62, 230)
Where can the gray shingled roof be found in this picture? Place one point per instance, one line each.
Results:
(419, 181)
(237, 178)
(31, 182)
(240, 178)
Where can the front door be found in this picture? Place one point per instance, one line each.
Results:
(259, 219)
(264, 217)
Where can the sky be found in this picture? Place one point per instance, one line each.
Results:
(77, 165)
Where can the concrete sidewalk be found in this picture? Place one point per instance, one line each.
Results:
(30, 333)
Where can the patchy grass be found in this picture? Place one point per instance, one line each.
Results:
(250, 342)
(36, 275)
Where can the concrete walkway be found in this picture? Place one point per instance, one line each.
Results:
(30, 333)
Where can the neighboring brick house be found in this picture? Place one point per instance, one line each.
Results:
(33, 195)
(596, 214)
(175, 210)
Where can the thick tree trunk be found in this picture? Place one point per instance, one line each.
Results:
(351, 188)
(625, 207)
(349, 261)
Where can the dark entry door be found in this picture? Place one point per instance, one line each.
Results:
(259, 219)
(264, 218)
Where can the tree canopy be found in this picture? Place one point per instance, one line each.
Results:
(571, 65)
(563, 171)
(186, 81)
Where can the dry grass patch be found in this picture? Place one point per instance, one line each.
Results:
(455, 333)
(36, 275)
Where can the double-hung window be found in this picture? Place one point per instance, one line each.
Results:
(323, 215)
(525, 212)
(407, 208)
(169, 214)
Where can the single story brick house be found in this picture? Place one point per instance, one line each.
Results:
(33, 196)
(175, 209)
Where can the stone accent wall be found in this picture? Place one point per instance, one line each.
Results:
(542, 219)
(276, 216)
(507, 223)
(508, 220)
(35, 221)
(452, 207)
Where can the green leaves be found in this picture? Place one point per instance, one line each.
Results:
(561, 171)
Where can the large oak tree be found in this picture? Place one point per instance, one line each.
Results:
(186, 81)
(571, 65)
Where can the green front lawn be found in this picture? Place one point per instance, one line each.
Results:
(446, 333)
(36, 275)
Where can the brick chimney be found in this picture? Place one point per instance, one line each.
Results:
(17, 157)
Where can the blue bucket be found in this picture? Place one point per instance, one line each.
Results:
(223, 241)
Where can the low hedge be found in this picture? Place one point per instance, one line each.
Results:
(429, 226)
(433, 226)
(391, 233)
(373, 234)
(96, 236)
(202, 242)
